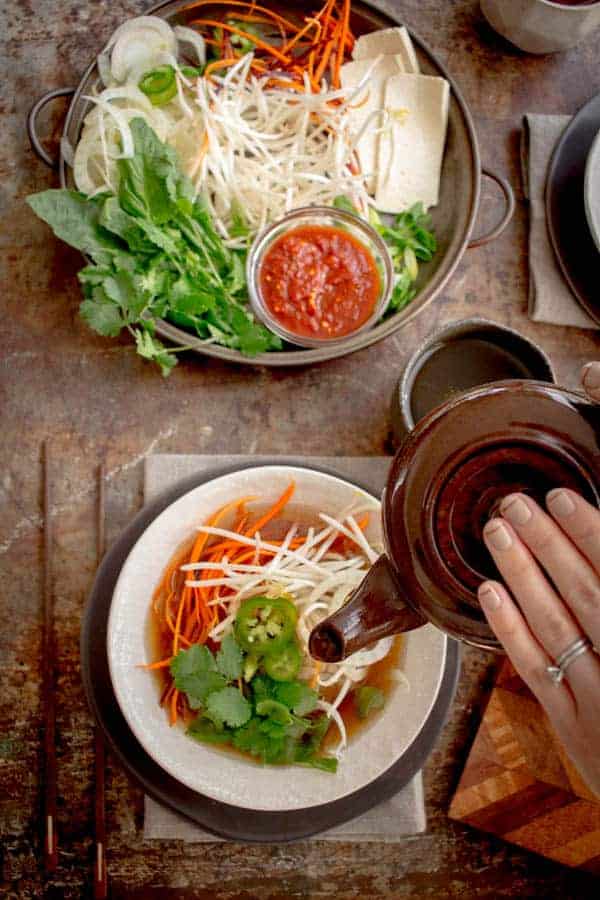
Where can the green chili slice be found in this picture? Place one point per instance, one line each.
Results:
(264, 625)
(159, 85)
(285, 664)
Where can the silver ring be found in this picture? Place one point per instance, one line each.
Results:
(577, 648)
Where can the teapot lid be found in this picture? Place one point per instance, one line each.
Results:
(451, 473)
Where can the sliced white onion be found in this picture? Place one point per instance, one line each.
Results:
(154, 23)
(138, 49)
(66, 148)
(189, 36)
(121, 122)
(127, 92)
(104, 69)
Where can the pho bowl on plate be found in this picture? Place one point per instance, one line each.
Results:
(208, 633)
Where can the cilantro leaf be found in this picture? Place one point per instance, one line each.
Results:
(297, 696)
(325, 763)
(207, 732)
(199, 687)
(277, 712)
(367, 699)
(150, 347)
(195, 673)
(230, 706)
(102, 315)
(230, 659)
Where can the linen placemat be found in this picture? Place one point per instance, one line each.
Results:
(550, 298)
(401, 815)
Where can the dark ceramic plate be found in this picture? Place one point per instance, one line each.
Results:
(573, 243)
(223, 819)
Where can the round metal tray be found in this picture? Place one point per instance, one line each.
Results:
(453, 217)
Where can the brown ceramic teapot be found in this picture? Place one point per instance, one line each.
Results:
(445, 482)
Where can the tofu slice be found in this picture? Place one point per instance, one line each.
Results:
(390, 42)
(366, 102)
(411, 148)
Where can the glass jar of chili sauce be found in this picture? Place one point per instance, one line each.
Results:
(319, 275)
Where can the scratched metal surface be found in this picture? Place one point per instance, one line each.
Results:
(97, 401)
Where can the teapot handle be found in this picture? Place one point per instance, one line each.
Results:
(376, 609)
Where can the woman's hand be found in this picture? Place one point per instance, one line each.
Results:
(590, 378)
(551, 565)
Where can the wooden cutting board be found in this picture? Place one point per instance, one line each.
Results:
(519, 784)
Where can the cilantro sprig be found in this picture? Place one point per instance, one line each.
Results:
(277, 722)
(155, 254)
(410, 240)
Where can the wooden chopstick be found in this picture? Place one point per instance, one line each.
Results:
(100, 874)
(49, 676)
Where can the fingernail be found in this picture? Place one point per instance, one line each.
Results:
(498, 535)
(489, 597)
(515, 510)
(560, 503)
(590, 375)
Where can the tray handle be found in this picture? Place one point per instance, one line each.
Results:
(34, 139)
(509, 208)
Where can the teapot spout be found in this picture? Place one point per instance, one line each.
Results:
(376, 609)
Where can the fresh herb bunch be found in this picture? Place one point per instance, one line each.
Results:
(275, 721)
(409, 239)
(156, 254)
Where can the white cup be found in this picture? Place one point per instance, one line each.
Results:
(541, 26)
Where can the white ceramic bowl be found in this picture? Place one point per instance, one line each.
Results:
(591, 191)
(212, 772)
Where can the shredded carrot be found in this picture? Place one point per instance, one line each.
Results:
(220, 64)
(213, 23)
(253, 7)
(324, 60)
(273, 511)
(173, 706)
(345, 25)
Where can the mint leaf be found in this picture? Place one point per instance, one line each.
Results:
(367, 699)
(345, 203)
(148, 180)
(230, 706)
(297, 696)
(230, 659)
(74, 218)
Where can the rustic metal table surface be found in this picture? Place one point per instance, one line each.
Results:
(97, 401)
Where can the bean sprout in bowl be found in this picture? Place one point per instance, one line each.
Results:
(357, 717)
(318, 275)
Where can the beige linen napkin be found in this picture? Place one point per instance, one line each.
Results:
(550, 298)
(401, 815)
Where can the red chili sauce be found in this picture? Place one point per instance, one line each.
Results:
(319, 281)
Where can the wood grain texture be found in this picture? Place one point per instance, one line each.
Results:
(519, 784)
(97, 401)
